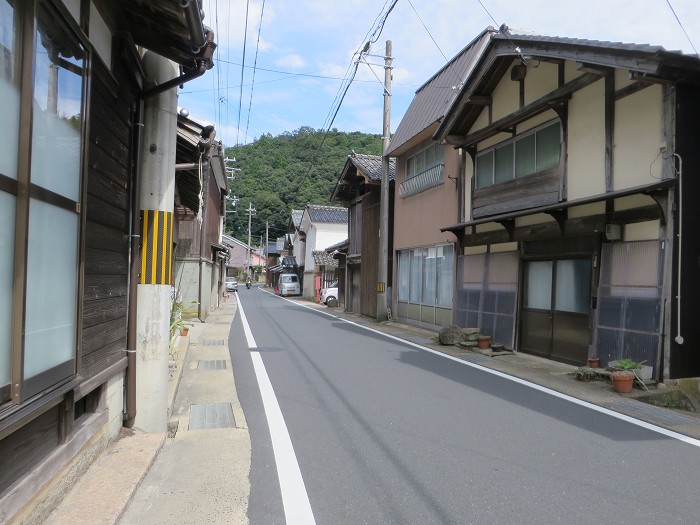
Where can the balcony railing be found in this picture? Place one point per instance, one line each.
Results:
(423, 181)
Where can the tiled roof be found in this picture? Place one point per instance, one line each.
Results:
(327, 214)
(323, 258)
(296, 217)
(338, 246)
(371, 165)
(435, 96)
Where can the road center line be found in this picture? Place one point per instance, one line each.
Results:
(295, 500)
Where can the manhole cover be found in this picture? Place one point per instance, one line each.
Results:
(217, 364)
(213, 415)
(660, 415)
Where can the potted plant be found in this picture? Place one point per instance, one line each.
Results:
(623, 381)
(585, 374)
(484, 342)
(594, 362)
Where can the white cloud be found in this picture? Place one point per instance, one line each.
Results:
(291, 61)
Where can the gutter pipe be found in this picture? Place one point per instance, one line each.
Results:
(205, 63)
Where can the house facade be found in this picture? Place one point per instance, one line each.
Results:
(359, 188)
(578, 162)
(79, 92)
(319, 227)
(428, 175)
(200, 257)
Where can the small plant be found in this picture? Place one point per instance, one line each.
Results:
(624, 364)
(585, 374)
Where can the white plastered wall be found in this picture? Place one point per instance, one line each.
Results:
(638, 135)
(586, 144)
(115, 404)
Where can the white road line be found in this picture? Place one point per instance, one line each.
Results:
(534, 386)
(295, 500)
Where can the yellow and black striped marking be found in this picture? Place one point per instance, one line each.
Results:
(156, 247)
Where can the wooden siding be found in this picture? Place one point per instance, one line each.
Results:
(370, 255)
(107, 224)
(527, 192)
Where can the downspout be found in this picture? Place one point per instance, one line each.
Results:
(133, 278)
(206, 39)
(679, 338)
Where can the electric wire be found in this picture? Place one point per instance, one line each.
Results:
(255, 63)
(240, 95)
(427, 30)
(681, 25)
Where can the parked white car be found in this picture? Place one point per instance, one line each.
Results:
(329, 296)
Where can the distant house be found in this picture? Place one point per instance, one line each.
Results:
(359, 188)
(319, 227)
(575, 185)
(241, 256)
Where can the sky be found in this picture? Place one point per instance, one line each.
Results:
(298, 53)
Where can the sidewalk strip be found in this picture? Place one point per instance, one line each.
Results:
(295, 500)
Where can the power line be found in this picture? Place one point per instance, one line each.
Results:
(255, 63)
(681, 24)
(427, 30)
(240, 95)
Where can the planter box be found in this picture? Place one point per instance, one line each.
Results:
(645, 372)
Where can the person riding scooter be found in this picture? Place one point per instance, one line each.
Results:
(248, 283)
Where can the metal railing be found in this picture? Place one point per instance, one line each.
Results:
(423, 181)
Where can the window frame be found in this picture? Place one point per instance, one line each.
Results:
(414, 160)
(27, 26)
(491, 154)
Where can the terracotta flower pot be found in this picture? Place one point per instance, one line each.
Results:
(594, 362)
(484, 342)
(184, 331)
(622, 383)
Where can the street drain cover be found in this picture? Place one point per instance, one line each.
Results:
(659, 415)
(213, 415)
(217, 364)
(213, 342)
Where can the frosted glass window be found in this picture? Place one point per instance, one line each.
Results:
(7, 255)
(51, 299)
(573, 289)
(404, 275)
(484, 170)
(525, 156)
(548, 141)
(504, 163)
(429, 277)
(538, 285)
(9, 93)
(445, 272)
(416, 275)
(58, 96)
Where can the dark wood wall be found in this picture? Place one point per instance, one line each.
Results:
(370, 253)
(107, 220)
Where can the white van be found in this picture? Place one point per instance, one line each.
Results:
(289, 284)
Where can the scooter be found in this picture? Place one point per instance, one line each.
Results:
(247, 284)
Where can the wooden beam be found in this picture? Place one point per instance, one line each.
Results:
(609, 130)
(534, 108)
(479, 100)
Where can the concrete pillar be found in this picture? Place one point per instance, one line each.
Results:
(157, 197)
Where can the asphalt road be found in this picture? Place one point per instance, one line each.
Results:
(388, 433)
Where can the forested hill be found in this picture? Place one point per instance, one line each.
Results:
(288, 171)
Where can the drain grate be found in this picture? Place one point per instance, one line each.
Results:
(657, 414)
(214, 415)
(217, 364)
(214, 342)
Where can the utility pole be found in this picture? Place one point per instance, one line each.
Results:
(250, 211)
(382, 270)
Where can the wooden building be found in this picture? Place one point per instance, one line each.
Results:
(200, 255)
(73, 86)
(359, 188)
(579, 165)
